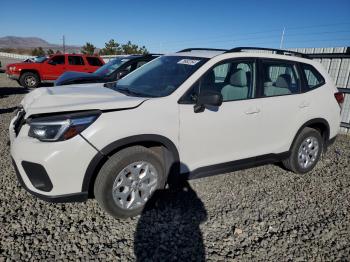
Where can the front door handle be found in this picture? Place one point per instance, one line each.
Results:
(252, 111)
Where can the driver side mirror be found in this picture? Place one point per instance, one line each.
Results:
(207, 98)
(122, 73)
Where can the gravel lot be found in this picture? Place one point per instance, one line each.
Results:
(263, 213)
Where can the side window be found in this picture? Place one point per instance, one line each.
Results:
(313, 78)
(234, 80)
(279, 79)
(75, 60)
(58, 59)
(93, 61)
(141, 63)
(221, 72)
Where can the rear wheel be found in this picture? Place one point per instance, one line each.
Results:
(305, 152)
(29, 80)
(128, 180)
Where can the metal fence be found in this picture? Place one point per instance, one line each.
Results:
(15, 56)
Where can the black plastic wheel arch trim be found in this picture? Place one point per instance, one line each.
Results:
(102, 155)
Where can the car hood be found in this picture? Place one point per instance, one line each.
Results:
(71, 77)
(77, 98)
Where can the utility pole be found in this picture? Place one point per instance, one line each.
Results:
(64, 44)
(282, 37)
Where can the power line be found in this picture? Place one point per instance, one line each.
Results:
(252, 33)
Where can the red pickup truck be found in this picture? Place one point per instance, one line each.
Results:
(31, 74)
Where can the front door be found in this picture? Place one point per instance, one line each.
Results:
(229, 132)
(54, 67)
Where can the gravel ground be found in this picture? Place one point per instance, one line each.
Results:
(263, 213)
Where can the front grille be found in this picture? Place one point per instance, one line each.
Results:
(19, 122)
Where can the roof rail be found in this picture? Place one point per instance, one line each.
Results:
(201, 49)
(276, 51)
(329, 55)
(151, 54)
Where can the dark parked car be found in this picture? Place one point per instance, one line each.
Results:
(112, 71)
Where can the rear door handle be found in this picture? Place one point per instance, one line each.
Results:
(252, 111)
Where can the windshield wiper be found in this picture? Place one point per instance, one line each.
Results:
(130, 92)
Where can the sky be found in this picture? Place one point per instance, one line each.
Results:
(165, 26)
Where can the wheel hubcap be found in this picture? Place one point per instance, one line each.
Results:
(30, 81)
(308, 152)
(134, 185)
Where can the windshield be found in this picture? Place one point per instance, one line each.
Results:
(159, 77)
(111, 66)
(40, 59)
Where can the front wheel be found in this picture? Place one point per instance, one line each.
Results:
(306, 151)
(128, 180)
(29, 80)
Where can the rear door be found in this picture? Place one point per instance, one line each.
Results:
(76, 63)
(54, 67)
(283, 105)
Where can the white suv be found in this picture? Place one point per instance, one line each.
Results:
(184, 115)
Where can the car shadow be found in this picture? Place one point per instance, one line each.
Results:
(168, 229)
(7, 91)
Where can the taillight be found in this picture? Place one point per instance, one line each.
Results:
(339, 97)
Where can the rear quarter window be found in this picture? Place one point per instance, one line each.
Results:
(94, 61)
(313, 78)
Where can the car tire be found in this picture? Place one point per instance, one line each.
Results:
(29, 80)
(305, 152)
(116, 186)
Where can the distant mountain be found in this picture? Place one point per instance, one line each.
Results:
(33, 42)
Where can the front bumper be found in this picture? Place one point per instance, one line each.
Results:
(65, 164)
(75, 197)
(13, 76)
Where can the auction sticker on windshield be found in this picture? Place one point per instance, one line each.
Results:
(188, 61)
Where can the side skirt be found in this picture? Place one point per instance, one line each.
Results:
(236, 165)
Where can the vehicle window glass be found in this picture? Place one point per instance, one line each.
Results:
(313, 78)
(279, 79)
(221, 72)
(234, 80)
(140, 63)
(111, 66)
(160, 77)
(58, 60)
(94, 61)
(75, 60)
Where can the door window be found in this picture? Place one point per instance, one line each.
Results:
(233, 79)
(75, 60)
(140, 63)
(58, 59)
(279, 79)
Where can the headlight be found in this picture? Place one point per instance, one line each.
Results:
(63, 127)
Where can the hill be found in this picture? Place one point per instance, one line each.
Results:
(16, 42)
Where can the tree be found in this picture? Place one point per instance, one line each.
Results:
(130, 48)
(88, 49)
(111, 48)
(50, 52)
(38, 51)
